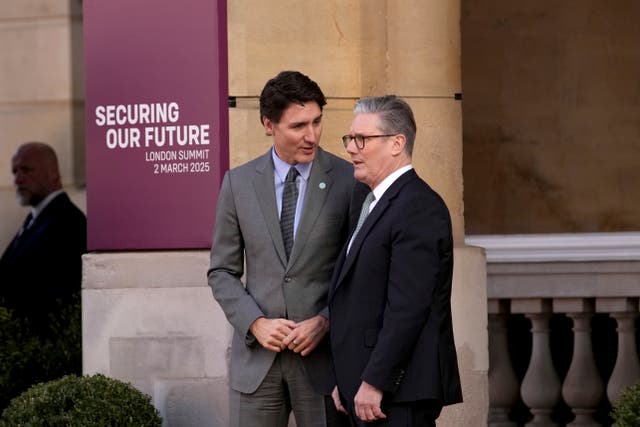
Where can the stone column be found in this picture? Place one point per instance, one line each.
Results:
(582, 388)
(423, 65)
(504, 387)
(540, 388)
(627, 369)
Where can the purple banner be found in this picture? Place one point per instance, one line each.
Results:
(156, 121)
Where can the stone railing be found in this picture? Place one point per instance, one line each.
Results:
(562, 335)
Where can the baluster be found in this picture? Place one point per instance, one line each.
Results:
(583, 387)
(540, 388)
(503, 383)
(627, 369)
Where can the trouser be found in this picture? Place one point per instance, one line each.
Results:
(284, 389)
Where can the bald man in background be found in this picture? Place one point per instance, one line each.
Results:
(41, 269)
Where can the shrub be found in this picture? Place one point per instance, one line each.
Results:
(73, 401)
(17, 353)
(626, 409)
(31, 354)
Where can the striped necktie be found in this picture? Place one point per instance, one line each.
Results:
(288, 212)
(364, 212)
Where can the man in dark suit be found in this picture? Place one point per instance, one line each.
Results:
(390, 303)
(40, 277)
(41, 269)
(284, 216)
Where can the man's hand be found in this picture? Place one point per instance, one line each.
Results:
(367, 402)
(335, 395)
(271, 332)
(307, 335)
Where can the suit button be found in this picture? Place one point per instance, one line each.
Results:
(287, 279)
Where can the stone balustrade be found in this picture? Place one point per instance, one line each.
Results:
(588, 284)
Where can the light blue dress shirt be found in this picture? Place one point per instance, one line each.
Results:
(281, 169)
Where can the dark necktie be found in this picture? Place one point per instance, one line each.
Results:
(28, 222)
(364, 212)
(288, 212)
(25, 225)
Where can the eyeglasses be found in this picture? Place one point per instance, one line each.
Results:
(359, 139)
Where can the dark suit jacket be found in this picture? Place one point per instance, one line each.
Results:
(42, 268)
(247, 235)
(390, 307)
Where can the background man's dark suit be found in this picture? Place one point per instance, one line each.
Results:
(43, 267)
(40, 278)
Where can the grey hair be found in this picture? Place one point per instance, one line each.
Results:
(395, 116)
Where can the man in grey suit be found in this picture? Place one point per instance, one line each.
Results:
(285, 217)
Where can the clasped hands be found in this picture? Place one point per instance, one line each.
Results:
(279, 334)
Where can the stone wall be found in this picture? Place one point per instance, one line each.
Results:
(551, 116)
(41, 95)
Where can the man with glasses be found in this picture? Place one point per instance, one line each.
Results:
(285, 217)
(390, 302)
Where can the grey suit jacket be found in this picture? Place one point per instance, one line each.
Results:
(247, 233)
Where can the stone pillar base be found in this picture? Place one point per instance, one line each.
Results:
(470, 328)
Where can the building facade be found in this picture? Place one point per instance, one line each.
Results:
(548, 124)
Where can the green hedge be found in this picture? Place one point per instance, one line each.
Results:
(626, 409)
(30, 353)
(86, 401)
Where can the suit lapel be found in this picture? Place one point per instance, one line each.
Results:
(378, 210)
(265, 189)
(318, 188)
(373, 217)
(22, 241)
